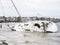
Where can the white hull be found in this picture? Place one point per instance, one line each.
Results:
(39, 26)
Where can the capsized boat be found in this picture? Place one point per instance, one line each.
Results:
(39, 26)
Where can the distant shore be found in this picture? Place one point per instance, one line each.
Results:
(4, 19)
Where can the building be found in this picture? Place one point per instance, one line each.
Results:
(11, 19)
(2, 19)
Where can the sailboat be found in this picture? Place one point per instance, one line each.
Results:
(34, 26)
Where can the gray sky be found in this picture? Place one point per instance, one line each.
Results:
(45, 8)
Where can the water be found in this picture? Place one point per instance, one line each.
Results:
(29, 38)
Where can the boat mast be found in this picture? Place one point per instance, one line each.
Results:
(16, 9)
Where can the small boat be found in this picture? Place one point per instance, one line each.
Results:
(38, 26)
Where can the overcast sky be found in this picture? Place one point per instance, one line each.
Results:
(45, 8)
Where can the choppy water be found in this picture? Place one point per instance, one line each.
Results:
(29, 38)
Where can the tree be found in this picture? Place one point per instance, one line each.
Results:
(42, 18)
(19, 19)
